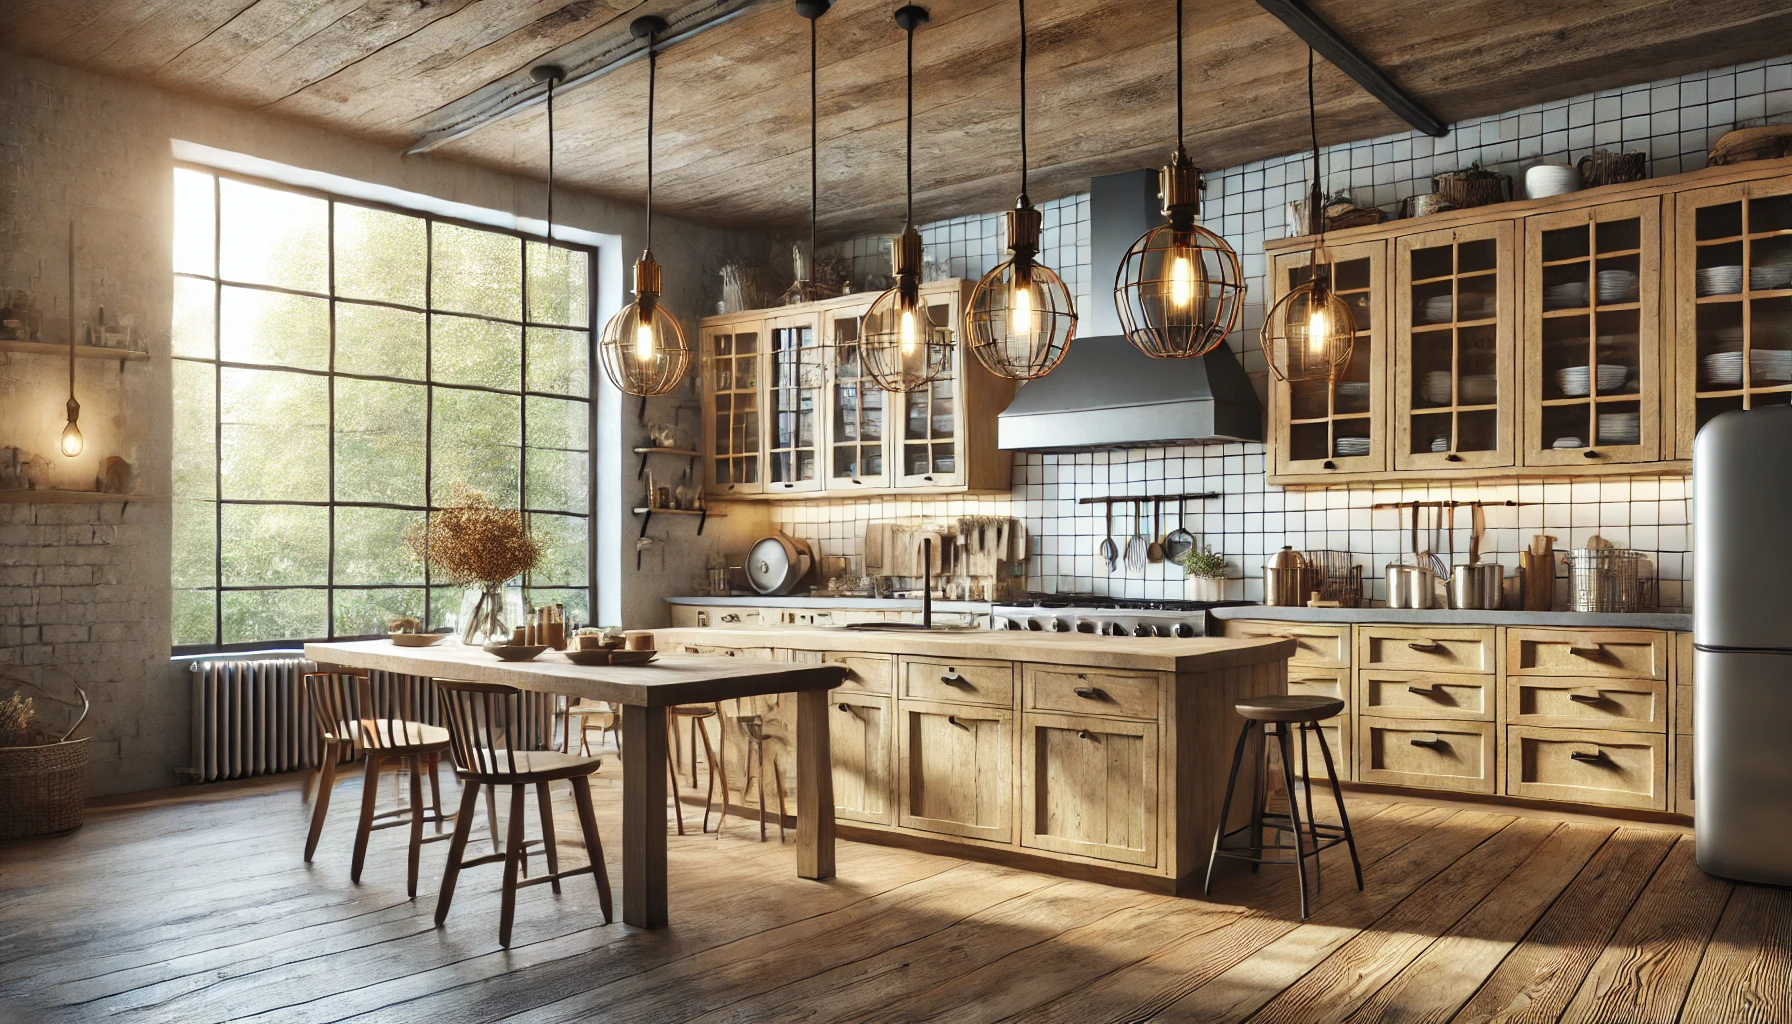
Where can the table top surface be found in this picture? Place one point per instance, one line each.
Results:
(672, 679)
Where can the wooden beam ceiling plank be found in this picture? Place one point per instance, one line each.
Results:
(164, 33)
(36, 29)
(352, 36)
(260, 33)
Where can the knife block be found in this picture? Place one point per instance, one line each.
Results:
(1537, 580)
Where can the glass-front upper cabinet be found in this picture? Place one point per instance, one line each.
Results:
(1454, 363)
(1733, 298)
(1592, 365)
(930, 452)
(858, 427)
(794, 388)
(1336, 427)
(731, 437)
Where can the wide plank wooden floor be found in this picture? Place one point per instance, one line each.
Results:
(195, 906)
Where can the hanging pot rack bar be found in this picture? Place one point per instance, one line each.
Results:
(1121, 499)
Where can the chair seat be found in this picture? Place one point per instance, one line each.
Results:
(532, 766)
(694, 710)
(1290, 708)
(399, 736)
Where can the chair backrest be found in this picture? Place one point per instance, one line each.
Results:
(338, 700)
(484, 725)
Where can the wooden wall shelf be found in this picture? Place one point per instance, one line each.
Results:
(52, 348)
(56, 497)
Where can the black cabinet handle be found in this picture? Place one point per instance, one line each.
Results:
(1587, 652)
(1596, 757)
(1429, 690)
(1587, 698)
(845, 707)
(954, 720)
(954, 679)
(928, 478)
(1425, 645)
(1089, 693)
(1085, 734)
(1452, 457)
(1433, 741)
(1328, 464)
(1589, 454)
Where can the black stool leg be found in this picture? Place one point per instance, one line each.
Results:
(1306, 778)
(1259, 795)
(1325, 751)
(1300, 857)
(1219, 828)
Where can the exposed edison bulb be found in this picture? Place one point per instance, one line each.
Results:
(1319, 329)
(1020, 305)
(71, 440)
(1182, 280)
(906, 331)
(645, 344)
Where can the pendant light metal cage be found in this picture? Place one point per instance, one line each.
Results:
(1021, 317)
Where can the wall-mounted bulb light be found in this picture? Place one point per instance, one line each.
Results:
(72, 443)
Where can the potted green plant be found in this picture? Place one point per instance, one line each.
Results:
(1206, 571)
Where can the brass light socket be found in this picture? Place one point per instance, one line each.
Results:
(1024, 226)
(905, 252)
(648, 278)
(1180, 187)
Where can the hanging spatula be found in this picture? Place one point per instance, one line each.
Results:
(1180, 542)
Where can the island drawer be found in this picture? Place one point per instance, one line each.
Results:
(1306, 681)
(1336, 732)
(1588, 766)
(866, 673)
(1638, 705)
(965, 681)
(1396, 694)
(1422, 649)
(1612, 654)
(1122, 695)
(1315, 645)
(1438, 754)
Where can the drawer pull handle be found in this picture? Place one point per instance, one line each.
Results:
(1588, 757)
(954, 679)
(1587, 697)
(731, 617)
(1432, 740)
(1425, 645)
(1089, 693)
(954, 720)
(1593, 651)
(1085, 734)
(1428, 690)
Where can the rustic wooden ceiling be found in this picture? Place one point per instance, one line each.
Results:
(733, 110)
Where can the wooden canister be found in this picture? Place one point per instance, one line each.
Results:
(1537, 579)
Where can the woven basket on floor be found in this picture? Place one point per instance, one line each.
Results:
(43, 789)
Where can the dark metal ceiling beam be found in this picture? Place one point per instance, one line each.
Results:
(1326, 41)
(586, 59)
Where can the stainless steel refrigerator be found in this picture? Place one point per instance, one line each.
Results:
(1742, 638)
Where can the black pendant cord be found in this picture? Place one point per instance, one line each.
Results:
(1316, 214)
(814, 178)
(550, 160)
(909, 212)
(1023, 100)
(653, 61)
(1178, 73)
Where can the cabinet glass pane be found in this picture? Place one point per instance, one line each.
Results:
(1743, 297)
(1453, 341)
(1330, 419)
(1591, 356)
(796, 374)
(857, 408)
(734, 370)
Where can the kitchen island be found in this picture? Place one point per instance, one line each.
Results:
(1097, 757)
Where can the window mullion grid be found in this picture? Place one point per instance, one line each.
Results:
(522, 411)
(429, 408)
(217, 412)
(330, 436)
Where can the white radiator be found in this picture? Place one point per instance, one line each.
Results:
(251, 717)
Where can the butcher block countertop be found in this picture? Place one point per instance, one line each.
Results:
(1159, 654)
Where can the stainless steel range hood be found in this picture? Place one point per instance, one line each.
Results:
(1108, 394)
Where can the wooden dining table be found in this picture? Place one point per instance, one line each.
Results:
(644, 694)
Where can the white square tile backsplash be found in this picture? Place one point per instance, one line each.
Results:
(1674, 121)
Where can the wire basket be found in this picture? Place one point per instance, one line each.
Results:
(1605, 580)
(43, 789)
(1336, 577)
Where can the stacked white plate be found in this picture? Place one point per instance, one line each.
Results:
(1575, 381)
(1568, 442)
(1617, 286)
(1434, 387)
(1612, 377)
(1764, 277)
(1349, 446)
(1620, 428)
(1729, 335)
(1719, 280)
(1568, 295)
(1723, 369)
(1770, 365)
(1479, 389)
(1353, 389)
(1437, 309)
(1440, 444)
(1551, 180)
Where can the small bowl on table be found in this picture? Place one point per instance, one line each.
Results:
(633, 657)
(514, 652)
(589, 656)
(417, 639)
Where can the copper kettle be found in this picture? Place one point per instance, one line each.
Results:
(1287, 579)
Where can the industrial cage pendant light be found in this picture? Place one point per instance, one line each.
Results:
(643, 347)
(1179, 289)
(1308, 335)
(1021, 317)
(901, 346)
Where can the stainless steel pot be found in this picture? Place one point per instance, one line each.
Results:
(1477, 586)
(1411, 586)
(1287, 579)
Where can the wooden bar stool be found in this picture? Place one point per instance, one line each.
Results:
(1276, 715)
(599, 716)
(483, 721)
(754, 728)
(347, 718)
(698, 715)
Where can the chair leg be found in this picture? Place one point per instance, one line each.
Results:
(1259, 795)
(1325, 752)
(370, 792)
(1300, 858)
(416, 764)
(1219, 829)
(722, 766)
(672, 773)
(778, 779)
(326, 782)
(761, 752)
(1306, 785)
(594, 847)
(546, 806)
(694, 753)
(435, 788)
(709, 758)
(457, 848)
(513, 855)
(491, 818)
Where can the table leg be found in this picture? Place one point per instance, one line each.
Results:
(644, 815)
(814, 787)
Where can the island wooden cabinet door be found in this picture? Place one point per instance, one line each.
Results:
(1089, 787)
(863, 740)
(1335, 428)
(955, 769)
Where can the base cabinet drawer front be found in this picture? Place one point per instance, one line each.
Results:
(1442, 754)
(955, 769)
(753, 653)
(1395, 694)
(865, 673)
(863, 738)
(1587, 766)
(1419, 649)
(1612, 654)
(1306, 681)
(1062, 691)
(1089, 786)
(1639, 705)
(1683, 775)
(1315, 645)
(1337, 732)
(972, 682)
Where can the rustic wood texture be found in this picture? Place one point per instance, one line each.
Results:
(733, 102)
(1467, 914)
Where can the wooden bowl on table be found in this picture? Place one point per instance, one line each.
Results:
(514, 652)
(417, 639)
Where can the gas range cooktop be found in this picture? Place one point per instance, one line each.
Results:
(1097, 602)
(1103, 615)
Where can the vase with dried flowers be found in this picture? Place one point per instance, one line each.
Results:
(472, 544)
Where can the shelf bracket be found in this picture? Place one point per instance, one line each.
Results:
(641, 471)
(702, 519)
(646, 517)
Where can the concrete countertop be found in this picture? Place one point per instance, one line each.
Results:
(1679, 622)
(895, 604)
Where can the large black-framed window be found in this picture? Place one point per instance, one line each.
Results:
(340, 366)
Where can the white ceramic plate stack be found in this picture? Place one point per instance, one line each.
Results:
(1568, 442)
(1620, 428)
(1770, 366)
(1617, 286)
(1768, 276)
(1440, 444)
(1479, 389)
(1353, 389)
(1435, 387)
(1612, 377)
(1546, 180)
(1575, 381)
(1719, 280)
(1351, 446)
(1567, 295)
(1723, 369)
(1437, 309)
